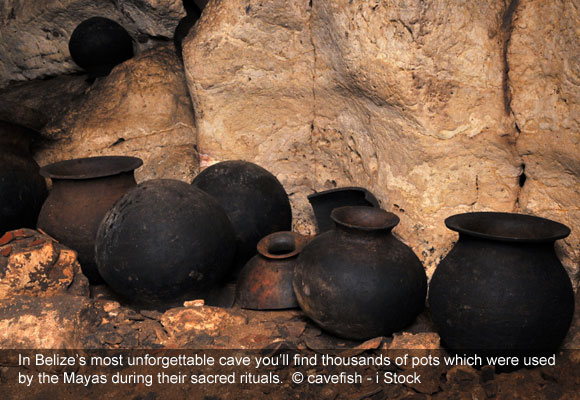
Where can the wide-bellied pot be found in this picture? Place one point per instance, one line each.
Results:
(83, 190)
(265, 283)
(358, 281)
(22, 188)
(501, 289)
(324, 202)
(98, 44)
(165, 240)
(254, 200)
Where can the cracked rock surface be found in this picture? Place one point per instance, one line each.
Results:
(436, 107)
(141, 109)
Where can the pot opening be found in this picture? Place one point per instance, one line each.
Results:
(281, 245)
(364, 218)
(91, 167)
(507, 227)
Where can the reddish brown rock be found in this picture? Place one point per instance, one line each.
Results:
(33, 264)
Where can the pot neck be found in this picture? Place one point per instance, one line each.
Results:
(116, 179)
(282, 245)
(465, 238)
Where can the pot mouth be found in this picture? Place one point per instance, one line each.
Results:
(91, 167)
(508, 227)
(364, 218)
(280, 245)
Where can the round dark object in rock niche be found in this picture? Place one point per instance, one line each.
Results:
(358, 281)
(501, 290)
(163, 241)
(98, 44)
(22, 189)
(83, 190)
(254, 200)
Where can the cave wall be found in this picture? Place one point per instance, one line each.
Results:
(437, 107)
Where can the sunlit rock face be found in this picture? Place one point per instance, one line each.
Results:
(385, 95)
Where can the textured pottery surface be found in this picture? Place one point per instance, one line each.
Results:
(83, 190)
(324, 202)
(98, 44)
(358, 281)
(255, 201)
(265, 282)
(165, 240)
(22, 189)
(502, 288)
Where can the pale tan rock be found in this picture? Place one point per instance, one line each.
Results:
(141, 109)
(415, 341)
(34, 35)
(33, 264)
(250, 71)
(544, 81)
(382, 95)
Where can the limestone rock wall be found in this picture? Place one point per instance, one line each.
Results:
(437, 107)
(544, 82)
(380, 94)
(34, 35)
(141, 109)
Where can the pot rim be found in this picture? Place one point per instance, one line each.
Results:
(364, 218)
(326, 193)
(90, 167)
(532, 229)
(291, 239)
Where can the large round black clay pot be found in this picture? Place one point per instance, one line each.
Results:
(164, 240)
(254, 200)
(98, 44)
(83, 190)
(358, 281)
(501, 289)
(265, 283)
(22, 189)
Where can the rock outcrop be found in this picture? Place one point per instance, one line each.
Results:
(422, 103)
(141, 109)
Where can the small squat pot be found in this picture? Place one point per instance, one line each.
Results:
(357, 280)
(22, 188)
(265, 283)
(83, 190)
(501, 289)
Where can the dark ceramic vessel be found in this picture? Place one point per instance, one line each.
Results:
(163, 241)
(83, 190)
(22, 189)
(358, 281)
(324, 202)
(254, 200)
(502, 289)
(98, 44)
(265, 283)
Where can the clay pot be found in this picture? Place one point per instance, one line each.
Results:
(265, 283)
(98, 44)
(254, 200)
(358, 281)
(22, 189)
(324, 202)
(502, 288)
(163, 241)
(83, 190)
